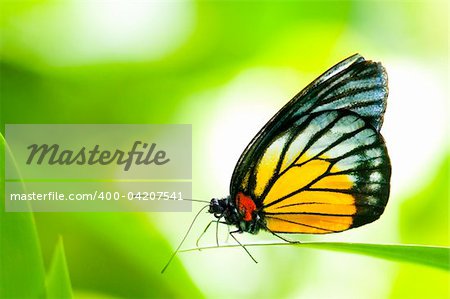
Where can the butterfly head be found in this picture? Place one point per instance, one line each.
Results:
(218, 207)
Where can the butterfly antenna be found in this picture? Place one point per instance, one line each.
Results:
(195, 200)
(182, 241)
(187, 199)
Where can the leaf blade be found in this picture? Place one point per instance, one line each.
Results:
(433, 256)
(58, 279)
(22, 273)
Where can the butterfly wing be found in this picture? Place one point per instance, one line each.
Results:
(328, 174)
(354, 84)
(354, 88)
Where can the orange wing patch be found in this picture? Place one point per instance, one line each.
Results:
(312, 207)
(308, 198)
(341, 181)
(308, 224)
(296, 178)
(311, 197)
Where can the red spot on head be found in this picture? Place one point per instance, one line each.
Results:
(246, 205)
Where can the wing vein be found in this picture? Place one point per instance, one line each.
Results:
(300, 223)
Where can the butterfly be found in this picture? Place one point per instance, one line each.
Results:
(320, 165)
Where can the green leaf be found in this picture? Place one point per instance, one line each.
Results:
(58, 280)
(22, 272)
(433, 256)
(107, 247)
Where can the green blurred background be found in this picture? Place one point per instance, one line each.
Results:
(226, 68)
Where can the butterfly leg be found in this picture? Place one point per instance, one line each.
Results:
(282, 238)
(217, 233)
(206, 228)
(228, 235)
(239, 231)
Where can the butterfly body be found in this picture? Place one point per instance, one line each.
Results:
(241, 212)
